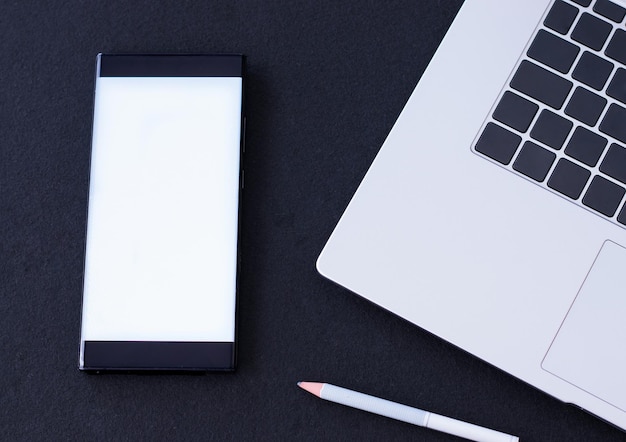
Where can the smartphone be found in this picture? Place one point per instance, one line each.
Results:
(162, 238)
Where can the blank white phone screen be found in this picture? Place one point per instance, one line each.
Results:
(161, 254)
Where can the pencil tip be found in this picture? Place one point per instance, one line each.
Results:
(312, 387)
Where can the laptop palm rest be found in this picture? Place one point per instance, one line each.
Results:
(584, 351)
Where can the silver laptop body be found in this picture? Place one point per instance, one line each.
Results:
(493, 247)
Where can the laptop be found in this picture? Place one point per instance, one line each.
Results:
(494, 215)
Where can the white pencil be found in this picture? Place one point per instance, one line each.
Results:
(405, 413)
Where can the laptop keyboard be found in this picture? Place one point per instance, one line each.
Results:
(561, 119)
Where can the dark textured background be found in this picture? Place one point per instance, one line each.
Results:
(326, 82)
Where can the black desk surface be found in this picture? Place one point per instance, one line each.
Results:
(327, 79)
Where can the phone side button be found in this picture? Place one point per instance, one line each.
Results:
(243, 143)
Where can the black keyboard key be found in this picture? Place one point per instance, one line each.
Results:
(614, 123)
(591, 31)
(592, 70)
(586, 146)
(622, 216)
(610, 10)
(614, 163)
(534, 161)
(561, 17)
(551, 129)
(553, 51)
(603, 196)
(541, 84)
(585, 106)
(568, 178)
(582, 2)
(617, 86)
(515, 111)
(617, 47)
(498, 143)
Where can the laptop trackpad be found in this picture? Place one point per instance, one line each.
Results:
(589, 349)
